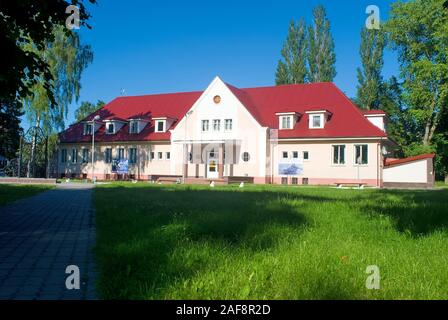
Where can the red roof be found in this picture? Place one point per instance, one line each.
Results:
(392, 162)
(263, 103)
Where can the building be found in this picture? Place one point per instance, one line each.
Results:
(292, 134)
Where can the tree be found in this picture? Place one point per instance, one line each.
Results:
(321, 56)
(86, 108)
(369, 75)
(292, 69)
(24, 22)
(418, 30)
(67, 58)
(10, 130)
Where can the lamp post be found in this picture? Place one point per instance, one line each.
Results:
(97, 117)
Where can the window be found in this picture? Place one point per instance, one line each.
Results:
(63, 155)
(108, 155)
(160, 126)
(339, 154)
(246, 156)
(286, 122)
(85, 155)
(216, 125)
(87, 129)
(228, 125)
(361, 154)
(121, 153)
(306, 155)
(167, 155)
(133, 128)
(285, 155)
(132, 155)
(159, 155)
(151, 155)
(294, 180)
(74, 155)
(317, 121)
(295, 155)
(205, 125)
(110, 128)
(284, 180)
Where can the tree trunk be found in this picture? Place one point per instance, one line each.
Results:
(33, 149)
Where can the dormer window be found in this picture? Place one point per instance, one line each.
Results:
(133, 127)
(110, 128)
(287, 120)
(87, 128)
(317, 119)
(160, 126)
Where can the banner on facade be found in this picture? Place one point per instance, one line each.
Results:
(120, 166)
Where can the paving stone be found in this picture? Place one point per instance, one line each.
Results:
(39, 237)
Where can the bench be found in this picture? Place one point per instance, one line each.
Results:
(360, 185)
(169, 180)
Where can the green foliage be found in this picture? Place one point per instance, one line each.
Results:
(86, 108)
(269, 242)
(369, 75)
(67, 58)
(292, 69)
(321, 55)
(417, 29)
(308, 53)
(9, 129)
(23, 23)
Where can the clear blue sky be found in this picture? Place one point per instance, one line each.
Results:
(167, 46)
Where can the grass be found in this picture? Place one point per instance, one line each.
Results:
(265, 242)
(12, 192)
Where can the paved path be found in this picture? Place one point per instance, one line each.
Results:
(40, 236)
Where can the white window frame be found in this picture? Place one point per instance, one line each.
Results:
(131, 123)
(354, 154)
(167, 155)
(74, 159)
(216, 123)
(292, 154)
(228, 124)
(156, 128)
(287, 125)
(131, 151)
(88, 125)
(159, 155)
(321, 121)
(107, 128)
(339, 155)
(303, 155)
(118, 153)
(283, 155)
(205, 125)
(106, 159)
(152, 155)
(64, 155)
(83, 152)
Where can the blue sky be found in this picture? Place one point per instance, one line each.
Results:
(149, 47)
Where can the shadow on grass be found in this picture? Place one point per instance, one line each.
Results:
(149, 238)
(414, 212)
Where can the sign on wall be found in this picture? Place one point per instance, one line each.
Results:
(290, 167)
(120, 166)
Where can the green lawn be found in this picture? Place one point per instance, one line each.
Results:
(264, 242)
(12, 192)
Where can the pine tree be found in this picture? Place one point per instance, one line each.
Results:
(321, 56)
(292, 68)
(369, 75)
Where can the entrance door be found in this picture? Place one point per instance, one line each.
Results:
(212, 165)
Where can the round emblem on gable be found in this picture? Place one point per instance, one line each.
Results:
(217, 99)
